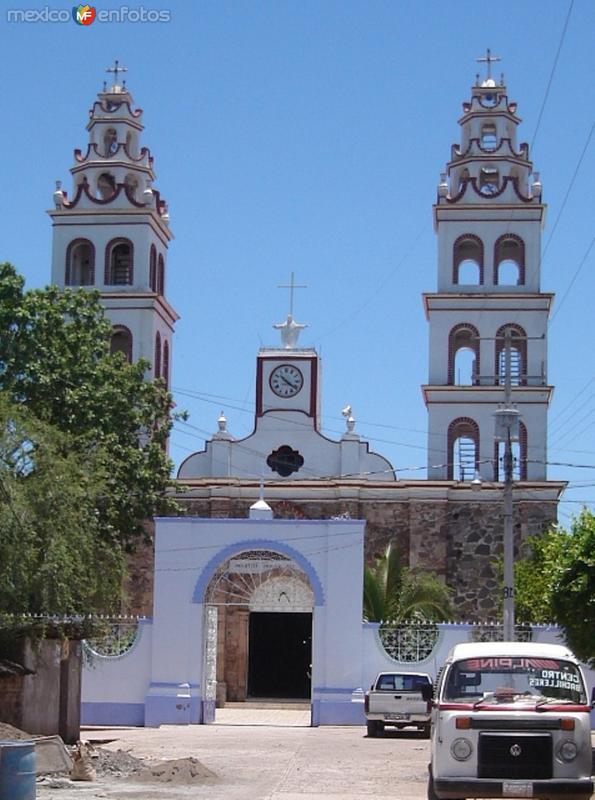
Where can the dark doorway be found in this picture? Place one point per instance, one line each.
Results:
(280, 655)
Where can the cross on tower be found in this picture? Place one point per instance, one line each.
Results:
(116, 69)
(291, 286)
(488, 59)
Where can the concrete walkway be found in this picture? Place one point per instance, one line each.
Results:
(244, 714)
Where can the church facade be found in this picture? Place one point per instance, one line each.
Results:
(487, 326)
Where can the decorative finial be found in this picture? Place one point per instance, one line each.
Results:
(116, 69)
(349, 419)
(222, 432)
(58, 195)
(488, 59)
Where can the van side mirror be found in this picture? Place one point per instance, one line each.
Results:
(427, 692)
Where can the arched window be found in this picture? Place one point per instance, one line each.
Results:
(157, 364)
(165, 366)
(161, 275)
(110, 142)
(153, 268)
(518, 355)
(131, 184)
(119, 263)
(489, 180)
(463, 449)
(131, 144)
(463, 355)
(106, 185)
(467, 266)
(463, 178)
(509, 261)
(121, 342)
(519, 457)
(80, 263)
(489, 140)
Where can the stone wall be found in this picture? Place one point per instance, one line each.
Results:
(459, 539)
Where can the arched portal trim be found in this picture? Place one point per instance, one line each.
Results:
(236, 548)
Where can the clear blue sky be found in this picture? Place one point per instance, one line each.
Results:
(309, 136)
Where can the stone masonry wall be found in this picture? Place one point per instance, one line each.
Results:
(459, 540)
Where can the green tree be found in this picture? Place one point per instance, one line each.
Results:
(556, 583)
(55, 360)
(397, 593)
(52, 558)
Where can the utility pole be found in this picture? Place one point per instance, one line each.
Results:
(507, 431)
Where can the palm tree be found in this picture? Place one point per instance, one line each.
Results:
(397, 593)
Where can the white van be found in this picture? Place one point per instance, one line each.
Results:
(510, 719)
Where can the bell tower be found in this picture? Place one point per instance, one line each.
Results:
(488, 217)
(114, 233)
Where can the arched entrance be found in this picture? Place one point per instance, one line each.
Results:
(258, 626)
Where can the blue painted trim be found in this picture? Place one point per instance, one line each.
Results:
(112, 714)
(177, 685)
(315, 718)
(335, 712)
(258, 544)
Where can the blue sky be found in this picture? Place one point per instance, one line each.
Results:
(309, 137)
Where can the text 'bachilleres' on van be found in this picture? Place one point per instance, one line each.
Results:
(511, 719)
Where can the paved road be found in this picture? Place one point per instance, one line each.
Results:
(274, 757)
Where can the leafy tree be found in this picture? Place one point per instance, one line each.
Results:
(535, 575)
(55, 360)
(52, 558)
(556, 583)
(397, 593)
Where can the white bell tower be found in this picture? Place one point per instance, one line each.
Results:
(488, 217)
(114, 233)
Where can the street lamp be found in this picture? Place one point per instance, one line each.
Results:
(507, 431)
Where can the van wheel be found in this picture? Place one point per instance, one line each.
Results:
(375, 728)
(431, 791)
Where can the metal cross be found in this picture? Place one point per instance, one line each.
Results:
(291, 286)
(117, 68)
(488, 58)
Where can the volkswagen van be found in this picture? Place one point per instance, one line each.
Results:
(510, 719)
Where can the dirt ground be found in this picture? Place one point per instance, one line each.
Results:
(263, 756)
(278, 759)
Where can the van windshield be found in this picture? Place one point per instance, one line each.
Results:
(505, 679)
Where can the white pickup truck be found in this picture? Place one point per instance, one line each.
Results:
(511, 719)
(399, 699)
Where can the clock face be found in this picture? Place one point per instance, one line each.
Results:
(286, 380)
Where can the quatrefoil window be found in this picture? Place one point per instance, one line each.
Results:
(285, 460)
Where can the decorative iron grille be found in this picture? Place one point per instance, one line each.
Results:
(119, 638)
(408, 641)
(494, 633)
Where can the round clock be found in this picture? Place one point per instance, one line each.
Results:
(286, 380)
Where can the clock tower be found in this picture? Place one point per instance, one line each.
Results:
(287, 378)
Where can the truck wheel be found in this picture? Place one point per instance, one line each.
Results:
(426, 731)
(374, 727)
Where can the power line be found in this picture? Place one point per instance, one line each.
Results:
(552, 73)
